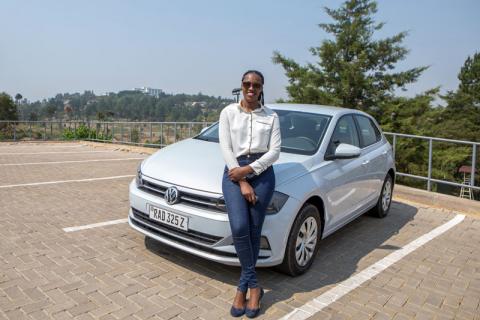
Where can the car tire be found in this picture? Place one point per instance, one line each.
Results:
(385, 200)
(301, 251)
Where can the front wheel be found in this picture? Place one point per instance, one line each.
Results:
(385, 199)
(302, 245)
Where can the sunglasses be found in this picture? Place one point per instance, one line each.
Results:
(248, 84)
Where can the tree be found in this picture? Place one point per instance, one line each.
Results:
(460, 119)
(18, 97)
(353, 70)
(8, 109)
(50, 110)
(33, 116)
(469, 77)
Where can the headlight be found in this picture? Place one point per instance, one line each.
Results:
(138, 178)
(277, 202)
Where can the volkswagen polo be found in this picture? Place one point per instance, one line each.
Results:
(335, 165)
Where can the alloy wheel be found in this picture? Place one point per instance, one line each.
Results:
(306, 241)
(386, 195)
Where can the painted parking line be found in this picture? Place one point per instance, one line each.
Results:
(64, 181)
(95, 225)
(324, 300)
(71, 161)
(52, 152)
(46, 145)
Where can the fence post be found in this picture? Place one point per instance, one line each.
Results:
(474, 162)
(44, 131)
(161, 134)
(394, 147)
(75, 130)
(113, 130)
(151, 133)
(175, 133)
(121, 132)
(30, 130)
(14, 131)
(429, 183)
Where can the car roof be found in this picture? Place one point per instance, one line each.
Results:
(314, 108)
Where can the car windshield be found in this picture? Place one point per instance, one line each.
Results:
(302, 132)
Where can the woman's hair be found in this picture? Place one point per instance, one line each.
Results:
(258, 73)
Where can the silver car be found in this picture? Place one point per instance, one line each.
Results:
(335, 165)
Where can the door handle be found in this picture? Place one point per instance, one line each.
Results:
(384, 152)
(364, 163)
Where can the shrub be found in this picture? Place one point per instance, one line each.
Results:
(82, 132)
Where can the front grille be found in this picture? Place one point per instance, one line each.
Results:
(190, 199)
(164, 229)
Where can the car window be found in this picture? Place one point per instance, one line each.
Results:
(368, 131)
(301, 132)
(345, 132)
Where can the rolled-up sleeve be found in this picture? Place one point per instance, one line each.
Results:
(273, 152)
(226, 141)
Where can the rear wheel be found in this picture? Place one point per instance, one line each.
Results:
(385, 199)
(302, 245)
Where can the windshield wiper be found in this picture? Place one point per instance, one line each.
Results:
(206, 139)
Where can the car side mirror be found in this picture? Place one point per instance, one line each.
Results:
(345, 151)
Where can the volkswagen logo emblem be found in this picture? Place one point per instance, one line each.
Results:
(171, 195)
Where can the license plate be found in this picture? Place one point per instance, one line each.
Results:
(170, 218)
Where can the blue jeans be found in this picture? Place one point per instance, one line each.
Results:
(246, 220)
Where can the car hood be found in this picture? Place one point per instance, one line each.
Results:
(198, 164)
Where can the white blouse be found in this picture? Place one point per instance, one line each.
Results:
(243, 133)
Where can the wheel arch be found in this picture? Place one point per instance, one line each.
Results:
(391, 172)
(318, 202)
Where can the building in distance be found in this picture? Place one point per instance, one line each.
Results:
(150, 91)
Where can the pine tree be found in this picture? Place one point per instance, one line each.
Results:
(460, 119)
(353, 69)
(469, 77)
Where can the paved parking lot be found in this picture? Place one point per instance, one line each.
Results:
(112, 272)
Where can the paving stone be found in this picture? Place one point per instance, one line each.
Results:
(109, 273)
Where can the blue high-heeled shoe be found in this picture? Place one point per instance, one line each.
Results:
(237, 312)
(252, 313)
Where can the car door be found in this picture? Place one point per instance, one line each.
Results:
(374, 152)
(346, 178)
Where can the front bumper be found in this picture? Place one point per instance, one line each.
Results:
(209, 234)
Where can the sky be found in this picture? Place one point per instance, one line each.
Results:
(187, 46)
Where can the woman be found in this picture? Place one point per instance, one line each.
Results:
(250, 141)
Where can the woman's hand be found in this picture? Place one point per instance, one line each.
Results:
(237, 174)
(247, 191)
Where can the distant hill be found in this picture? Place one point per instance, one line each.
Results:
(125, 105)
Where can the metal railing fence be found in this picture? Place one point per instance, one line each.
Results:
(443, 145)
(137, 133)
(414, 155)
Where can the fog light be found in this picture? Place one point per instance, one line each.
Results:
(264, 245)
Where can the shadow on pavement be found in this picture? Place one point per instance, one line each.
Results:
(337, 258)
